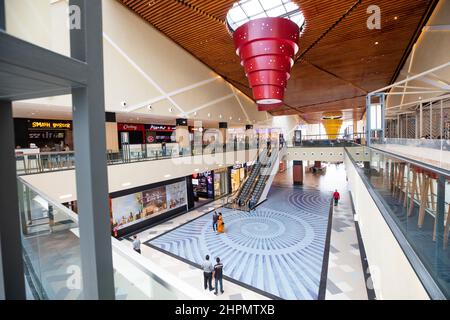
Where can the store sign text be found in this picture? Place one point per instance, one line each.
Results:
(50, 125)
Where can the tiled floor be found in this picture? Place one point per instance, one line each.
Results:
(277, 248)
(345, 275)
(184, 271)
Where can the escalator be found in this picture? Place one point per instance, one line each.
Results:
(255, 188)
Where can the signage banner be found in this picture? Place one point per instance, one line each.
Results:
(49, 124)
(130, 127)
(160, 127)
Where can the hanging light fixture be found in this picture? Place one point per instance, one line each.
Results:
(266, 46)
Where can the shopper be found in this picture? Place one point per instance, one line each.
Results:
(207, 273)
(220, 224)
(218, 276)
(136, 244)
(336, 197)
(215, 218)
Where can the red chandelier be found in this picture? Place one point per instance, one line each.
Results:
(267, 47)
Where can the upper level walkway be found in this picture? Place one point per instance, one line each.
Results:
(431, 152)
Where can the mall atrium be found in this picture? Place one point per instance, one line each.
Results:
(275, 149)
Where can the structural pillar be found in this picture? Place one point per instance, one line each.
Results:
(368, 119)
(440, 214)
(90, 157)
(297, 172)
(12, 279)
(112, 133)
(421, 120)
(182, 136)
(198, 137)
(223, 133)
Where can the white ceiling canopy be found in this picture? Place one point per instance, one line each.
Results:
(246, 10)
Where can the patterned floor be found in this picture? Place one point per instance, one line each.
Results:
(277, 248)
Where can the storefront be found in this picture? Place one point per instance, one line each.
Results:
(48, 135)
(221, 183)
(159, 133)
(130, 133)
(141, 207)
(237, 176)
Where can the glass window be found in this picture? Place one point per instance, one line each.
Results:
(246, 10)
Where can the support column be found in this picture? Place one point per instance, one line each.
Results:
(368, 121)
(198, 137)
(12, 277)
(297, 172)
(431, 120)
(112, 134)
(182, 136)
(223, 131)
(249, 135)
(421, 120)
(440, 214)
(383, 121)
(90, 157)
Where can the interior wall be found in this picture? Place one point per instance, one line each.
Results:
(392, 275)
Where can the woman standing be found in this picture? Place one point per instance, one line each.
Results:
(220, 224)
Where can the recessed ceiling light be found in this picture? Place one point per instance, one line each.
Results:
(149, 107)
(126, 184)
(167, 176)
(197, 170)
(209, 115)
(376, 42)
(66, 196)
(420, 98)
(170, 109)
(220, 116)
(395, 18)
(195, 113)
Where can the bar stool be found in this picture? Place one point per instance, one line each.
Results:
(21, 159)
(31, 158)
(45, 161)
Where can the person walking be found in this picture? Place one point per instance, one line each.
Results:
(136, 244)
(220, 224)
(336, 197)
(215, 218)
(218, 276)
(208, 269)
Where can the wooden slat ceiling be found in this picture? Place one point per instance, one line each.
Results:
(338, 61)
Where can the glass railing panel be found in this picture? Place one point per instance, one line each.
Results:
(50, 246)
(409, 193)
(52, 255)
(433, 151)
(35, 161)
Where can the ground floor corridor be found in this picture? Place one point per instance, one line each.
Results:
(295, 245)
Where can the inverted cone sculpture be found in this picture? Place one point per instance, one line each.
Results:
(267, 47)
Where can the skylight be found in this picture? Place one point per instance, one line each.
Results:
(246, 10)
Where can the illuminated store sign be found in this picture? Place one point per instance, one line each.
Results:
(50, 125)
(130, 127)
(160, 127)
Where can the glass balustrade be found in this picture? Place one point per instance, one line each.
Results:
(38, 162)
(433, 151)
(52, 256)
(417, 199)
